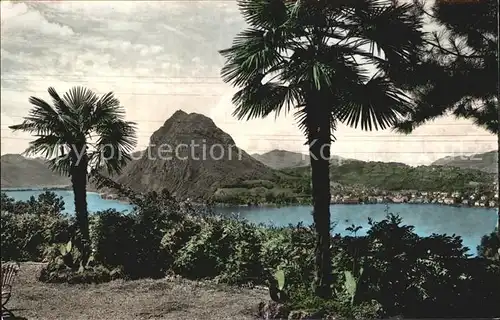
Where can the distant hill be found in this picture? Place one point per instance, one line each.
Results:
(483, 161)
(20, 172)
(281, 159)
(393, 176)
(208, 159)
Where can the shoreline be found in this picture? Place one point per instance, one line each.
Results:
(243, 205)
(347, 204)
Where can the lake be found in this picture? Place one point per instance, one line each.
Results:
(470, 223)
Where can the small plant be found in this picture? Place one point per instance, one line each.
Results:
(72, 258)
(352, 285)
(354, 229)
(277, 286)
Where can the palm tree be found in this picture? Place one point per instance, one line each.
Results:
(315, 57)
(64, 135)
(459, 71)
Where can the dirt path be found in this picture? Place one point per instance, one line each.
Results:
(144, 299)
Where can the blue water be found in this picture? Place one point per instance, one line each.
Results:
(469, 223)
(94, 201)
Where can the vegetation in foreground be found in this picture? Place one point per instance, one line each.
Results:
(390, 271)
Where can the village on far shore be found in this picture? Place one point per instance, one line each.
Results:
(478, 197)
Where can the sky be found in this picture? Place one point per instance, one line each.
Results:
(159, 57)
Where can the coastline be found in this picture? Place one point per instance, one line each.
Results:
(270, 205)
(113, 197)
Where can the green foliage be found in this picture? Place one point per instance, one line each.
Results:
(72, 258)
(29, 228)
(280, 277)
(463, 61)
(389, 271)
(290, 249)
(352, 284)
(225, 249)
(490, 246)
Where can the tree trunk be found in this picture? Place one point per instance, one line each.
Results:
(319, 146)
(79, 183)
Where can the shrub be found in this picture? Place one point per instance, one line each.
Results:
(241, 245)
(292, 250)
(490, 246)
(202, 257)
(25, 237)
(112, 239)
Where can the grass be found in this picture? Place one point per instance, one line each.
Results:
(170, 298)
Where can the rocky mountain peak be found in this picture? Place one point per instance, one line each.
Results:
(184, 128)
(191, 156)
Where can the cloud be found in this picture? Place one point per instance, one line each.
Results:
(17, 16)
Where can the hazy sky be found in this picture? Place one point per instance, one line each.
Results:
(162, 56)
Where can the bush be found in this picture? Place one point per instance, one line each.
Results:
(292, 250)
(112, 239)
(490, 246)
(26, 235)
(225, 249)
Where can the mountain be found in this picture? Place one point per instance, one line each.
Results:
(191, 156)
(482, 161)
(282, 159)
(20, 172)
(393, 176)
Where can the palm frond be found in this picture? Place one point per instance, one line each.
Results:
(252, 53)
(48, 145)
(314, 48)
(263, 14)
(373, 105)
(107, 108)
(60, 164)
(70, 124)
(42, 120)
(117, 139)
(259, 100)
(82, 102)
(61, 106)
